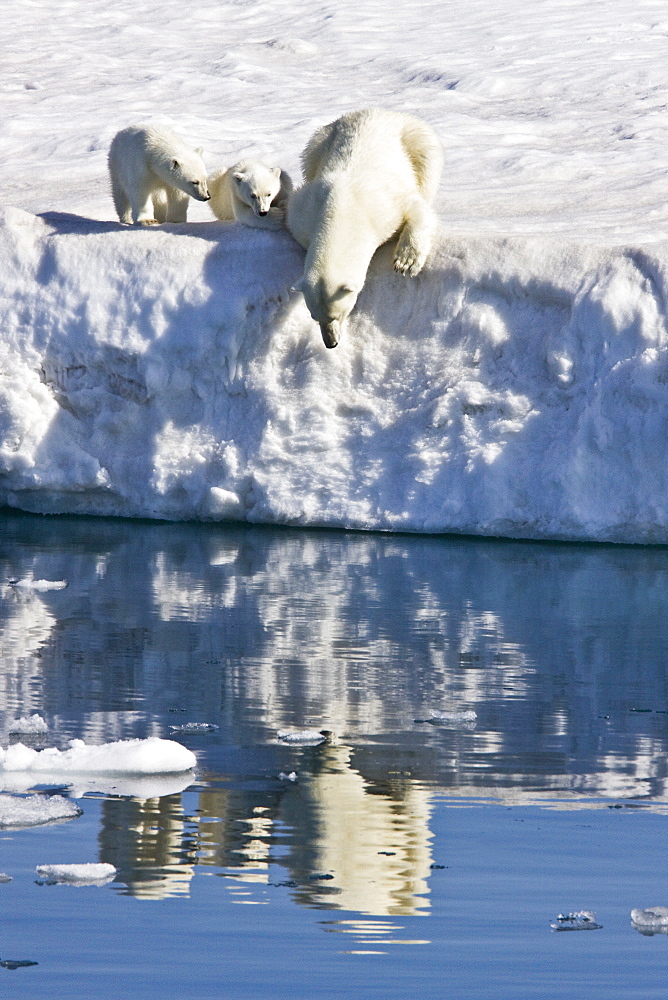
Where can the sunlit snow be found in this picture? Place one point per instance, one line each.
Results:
(516, 387)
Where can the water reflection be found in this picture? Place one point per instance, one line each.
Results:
(560, 651)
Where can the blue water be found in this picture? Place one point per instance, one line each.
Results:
(410, 855)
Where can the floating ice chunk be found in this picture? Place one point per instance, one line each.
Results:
(150, 756)
(465, 718)
(652, 920)
(195, 727)
(292, 776)
(581, 920)
(40, 585)
(302, 737)
(87, 874)
(35, 810)
(466, 715)
(5, 878)
(29, 725)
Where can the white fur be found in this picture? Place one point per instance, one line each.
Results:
(369, 176)
(252, 193)
(153, 173)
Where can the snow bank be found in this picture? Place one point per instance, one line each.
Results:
(35, 810)
(518, 387)
(150, 756)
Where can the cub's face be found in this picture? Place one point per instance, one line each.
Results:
(258, 188)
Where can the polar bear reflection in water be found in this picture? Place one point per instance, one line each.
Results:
(370, 175)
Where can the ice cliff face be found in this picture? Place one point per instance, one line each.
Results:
(516, 387)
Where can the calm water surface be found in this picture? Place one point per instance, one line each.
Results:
(406, 856)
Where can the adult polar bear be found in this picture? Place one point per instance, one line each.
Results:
(369, 176)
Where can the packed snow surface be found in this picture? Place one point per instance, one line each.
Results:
(79, 874)
(35, 810)
(517, 387)
(149, 756)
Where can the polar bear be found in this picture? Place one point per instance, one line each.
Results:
(252, 193)
(153, 173)
(369, 176)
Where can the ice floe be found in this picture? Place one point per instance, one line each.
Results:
(302, 737)
(29, 725)
(652, 920)
(78, 874)
(149, 756)
(36, 810)
(580, 920)
(194, 727)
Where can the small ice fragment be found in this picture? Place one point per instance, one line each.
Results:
(35, 810)
(466, 715)
(40, 585)
(29, 726)
(580, 920)
(195, 727)
(652, 920)
(86, 874)
(5, 878)
(292, 776)
(302, 737)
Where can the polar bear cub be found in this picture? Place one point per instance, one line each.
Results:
(153, 174)
(369, 176)
(252, 193)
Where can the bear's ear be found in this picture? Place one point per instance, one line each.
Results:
(238, 176)
(276, 171)
(298, 285)
(199, 150)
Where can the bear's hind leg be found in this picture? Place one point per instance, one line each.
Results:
(121, 202)
(415, 236)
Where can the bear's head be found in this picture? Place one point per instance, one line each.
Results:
(191, 177)
(256, 184)
(329, 304)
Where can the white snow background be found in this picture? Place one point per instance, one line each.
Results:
(518, 386)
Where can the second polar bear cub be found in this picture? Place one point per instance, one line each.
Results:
(252, 193)
(153, 174)
(369, 176)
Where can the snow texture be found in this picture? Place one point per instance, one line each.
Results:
(35, 810)
(517, 387)
(79, 874)
(150, 756)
